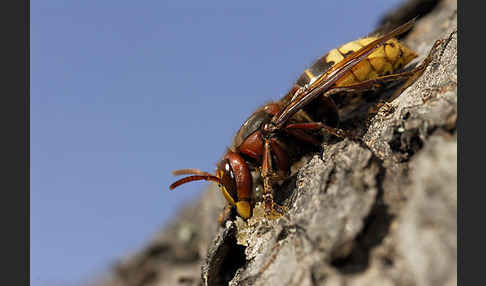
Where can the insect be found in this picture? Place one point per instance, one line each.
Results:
(271, 139)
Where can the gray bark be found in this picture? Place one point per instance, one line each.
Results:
(376, 211)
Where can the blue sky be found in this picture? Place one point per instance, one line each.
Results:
(123, 92)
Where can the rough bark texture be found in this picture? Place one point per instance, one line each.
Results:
(376, 211)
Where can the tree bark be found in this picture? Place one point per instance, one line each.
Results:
(376, 211)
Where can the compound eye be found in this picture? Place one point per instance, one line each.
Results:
(228, 181)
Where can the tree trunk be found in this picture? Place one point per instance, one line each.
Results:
(376, 211)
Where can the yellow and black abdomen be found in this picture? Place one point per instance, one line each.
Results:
(387, 59)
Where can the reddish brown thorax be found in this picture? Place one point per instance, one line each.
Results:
(249, 138)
